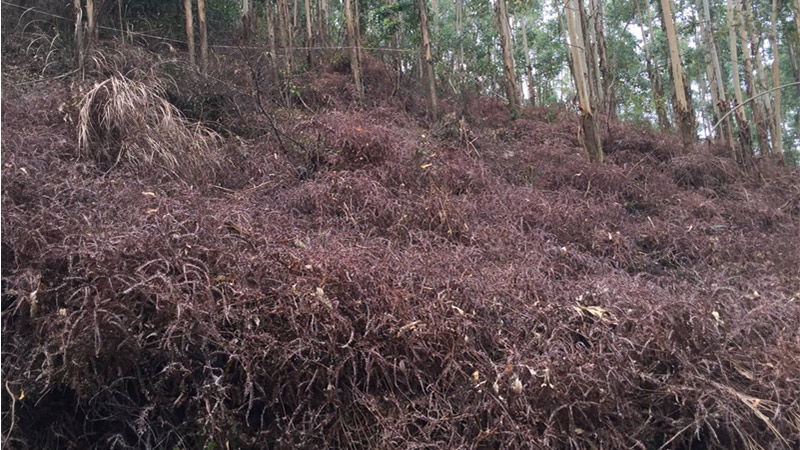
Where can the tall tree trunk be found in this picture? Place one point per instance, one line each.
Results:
(701, 85)
(750, 83)
(745, 139)
(202, 25)
(460, 37)
(295, 22)
(583, 83)
(187, 11)
(357, 4)
(797, 16)
(426, 55)
(80, 43)
(719, 96)
(270, 23)
(91, 25)
(761, 75)
(309, 32)
(247, 16)
(777, 134)
(604, 82)
(285, 34)
(121, 24)
(322, 22)
(508, 56)
(435, 5)
(528, 66)
(354, 46)
(684, 116)
(653, 74)
(794, 63)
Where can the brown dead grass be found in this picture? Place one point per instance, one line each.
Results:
(120, 120)
(395, 288)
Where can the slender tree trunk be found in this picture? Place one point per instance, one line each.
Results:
(309, 31)
(318, 37)
(426, 54)
(745, 139)
(750, 83)
(246, 19)
(777, 134)
(719, 96)
(705, 123)
(357, 4)
(80, 43)
(794, 63)
(270, 19)
(583, 83)
(459, 31)
(528, 66)
(761, 74)
(295, 22)
(684, 116)
(797, 16)
(353, 44)
(91, 25)
(435, 5)
(202, 25)
(508, 56)
(187, 11)
(121, 25)
(653, 74)
(285, 34)
(656, 83)
(604, 78)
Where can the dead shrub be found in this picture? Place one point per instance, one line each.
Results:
(702, 170)
(125, 121)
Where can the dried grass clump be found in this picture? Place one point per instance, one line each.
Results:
(126, 121)
(704, 171)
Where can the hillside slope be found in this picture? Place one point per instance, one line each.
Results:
(374, 281)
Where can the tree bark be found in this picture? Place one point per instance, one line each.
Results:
(285, 34)
(745, 139)
(435, 5)
(602, 70)
(187, 11)
(322, 22)
(528, 66)
(354, 46)
(202, 25)
(717, 85)
(750, 83)
(270, 19)
(797, 16)
(508, 56)
(583, 83)
(80, 44)
(761, 74)
(653, 74)
(777, 134)
(309, 32)
(426, 57)
(247, 17)
(684, 116)
(91, 25)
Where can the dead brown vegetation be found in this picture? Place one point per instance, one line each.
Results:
(381, 285)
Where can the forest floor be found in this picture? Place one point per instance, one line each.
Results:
(361, 277)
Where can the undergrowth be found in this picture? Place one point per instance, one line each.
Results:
(375, 283)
